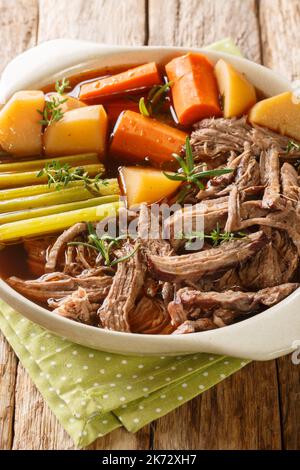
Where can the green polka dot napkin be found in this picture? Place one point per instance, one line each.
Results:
(93, 392)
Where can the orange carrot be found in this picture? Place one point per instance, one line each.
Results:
(145, 75)
(194, 91)
(137, 137)
(115, 107)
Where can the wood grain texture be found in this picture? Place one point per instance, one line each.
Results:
(200, 22)
(18, 20)
(35, 427)
(107, 21)
(280, 51)
(280, 35)
(239, 413)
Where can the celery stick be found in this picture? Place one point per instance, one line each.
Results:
(49, 199)
(44, 211)
(9, 180)
(112, 187)
(55, 223)
(38, 164)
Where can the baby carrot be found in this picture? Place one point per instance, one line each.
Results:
(137, 137)
(194, 91)
(145, 75)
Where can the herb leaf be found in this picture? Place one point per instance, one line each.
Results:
(61, 87)
(103, 246)
(61, 175)
(187, 172)
(154, 100)
(292, 146)
(52, 111)
(216, 236)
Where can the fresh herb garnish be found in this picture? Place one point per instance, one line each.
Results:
(188, 173)
(104, 245)
(292, 146)
(61, 175)
(52, 111)
(216, 236)
(154, 100)
(61, 87)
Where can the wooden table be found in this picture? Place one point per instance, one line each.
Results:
(257, 408)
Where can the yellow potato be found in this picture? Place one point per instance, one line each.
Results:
(281, 113)
(238, 93)
(81, 130)
(71, 103)
(20, 128)
(145, 185)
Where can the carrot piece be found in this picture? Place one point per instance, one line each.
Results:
(115, 107)
(145, 75)
(137, 137)
(194, 91)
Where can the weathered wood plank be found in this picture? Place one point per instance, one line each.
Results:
(281, 52)
(36, 428)
(17, 32)
(200, 22)
(279, 20)
(239, 413)
(243, 411)
(122, 440)
(108, 21)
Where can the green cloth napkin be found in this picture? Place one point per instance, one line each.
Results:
(93, 392)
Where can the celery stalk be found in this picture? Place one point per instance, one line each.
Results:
(49, 199)
(38, 164)
(112, 187)
(45, 211)
(9, 180)
(56, 222)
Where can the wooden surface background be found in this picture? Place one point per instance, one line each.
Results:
(257, 408)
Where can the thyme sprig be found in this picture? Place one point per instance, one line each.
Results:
(60, 176)
(104, 245)
(52, 111)
(61, 87)
(292, 146)
(154, 100)
(188, 173)
(216, 236)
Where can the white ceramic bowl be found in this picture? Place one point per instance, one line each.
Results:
(270, 334)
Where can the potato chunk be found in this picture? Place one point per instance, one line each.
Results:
(20, 128)
(281, 113)
(238, 93)
(145, 185)
(81, 130)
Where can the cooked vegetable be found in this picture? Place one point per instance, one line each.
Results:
(57, 222)
(47, 199)
(145, 185)
(60, 176)
(20, 127)
(80, 130)
(10, 180)
(143, 76)
(55, 209)
(237, 92)
(194, 90)
(111, 186)
(281, 113)
(137, 137)
(38, 164)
